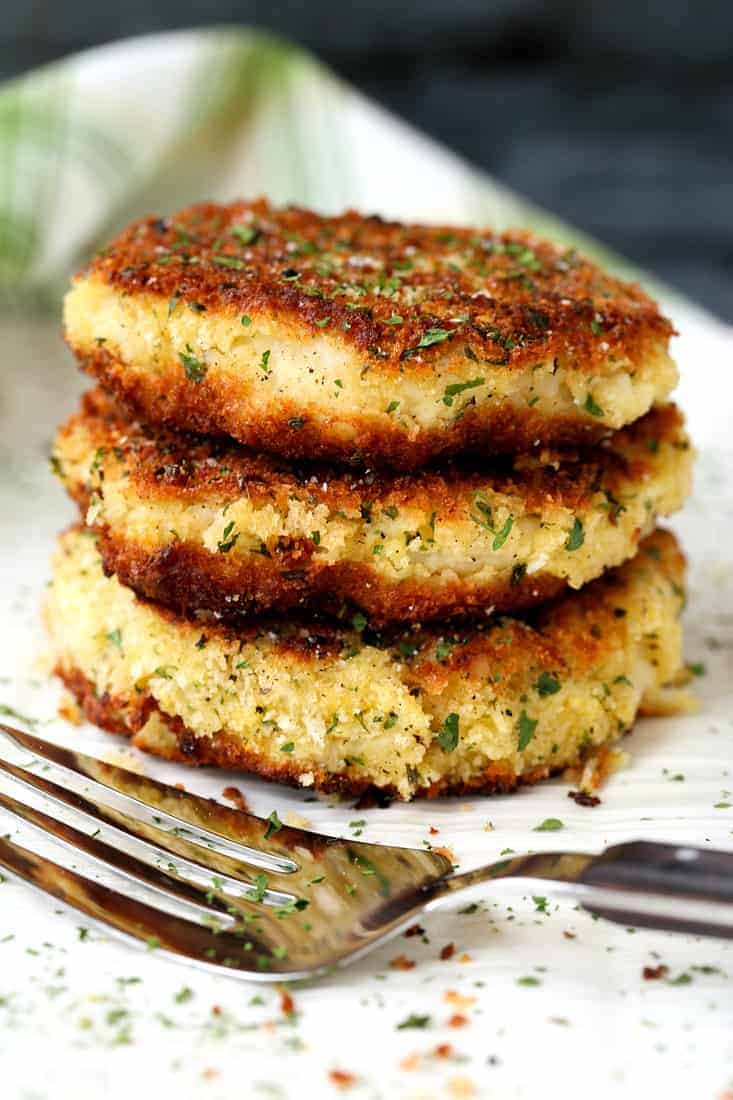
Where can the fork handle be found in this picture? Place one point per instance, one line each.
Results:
(667, 886)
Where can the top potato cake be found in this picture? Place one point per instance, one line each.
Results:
(354, 339)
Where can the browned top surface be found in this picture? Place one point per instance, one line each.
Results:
(399, 294)
(167, 464)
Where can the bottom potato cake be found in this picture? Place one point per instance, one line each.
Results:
(419, 711)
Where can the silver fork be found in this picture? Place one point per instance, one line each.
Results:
(223, 889)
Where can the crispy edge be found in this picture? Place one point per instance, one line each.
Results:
(223, 751)
(168, 464)
(216, 408)
(186, 576)
(183, 576)
(570, 634)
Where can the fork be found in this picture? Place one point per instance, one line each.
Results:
(225, 890)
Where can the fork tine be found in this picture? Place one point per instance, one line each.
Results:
(62, 808)
(107, 785)
(251, 957)
(167, 893)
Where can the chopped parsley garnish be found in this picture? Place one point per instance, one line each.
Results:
(394, 320)
(172, 303)
(316, 536)
(228, 261)
(359, 621)
(260, 888)
(591, 407)
(547, 684)
(228, 538)
(448, 736)
(247, 234)
(296, 422)
(265, 361)
(501, 536)
(455, 388)
(414, 1021)
(392, 407)
(115, 637)
(549, 825)
(246, 320)
(193, 367)
(274, 825)
(433, 336)
(527, 726)
(442, 650)
(289, 746)
(576, 537)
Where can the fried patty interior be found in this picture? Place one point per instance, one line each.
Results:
(409, 712)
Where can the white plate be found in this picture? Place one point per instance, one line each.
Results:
(73, 1023)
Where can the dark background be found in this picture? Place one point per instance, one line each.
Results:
(614, 114)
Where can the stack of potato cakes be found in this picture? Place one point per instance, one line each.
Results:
(411, 544)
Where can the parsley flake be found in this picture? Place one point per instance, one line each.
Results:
(546, 684)
(228, 539)
(527, 726)
(448, 736)
(274, 825)
(193, 368)
(413, 1021)
(228, 261)
(460, 387)
(591, 407)
(501, 536)
(549, 825)
(433, 336)
(247, 234)
(576, 537)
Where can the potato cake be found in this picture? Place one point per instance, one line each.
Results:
(333, 708)
(201, 524)
(358, 340)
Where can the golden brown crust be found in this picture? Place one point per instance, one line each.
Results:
(570, 633)
(582, 665)
(212, 408)
(184, 576)
(513, 298)
(224, 751)
(167, 466)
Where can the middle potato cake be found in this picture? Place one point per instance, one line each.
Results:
(203, 524)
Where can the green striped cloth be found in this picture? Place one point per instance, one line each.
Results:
(150, 124)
